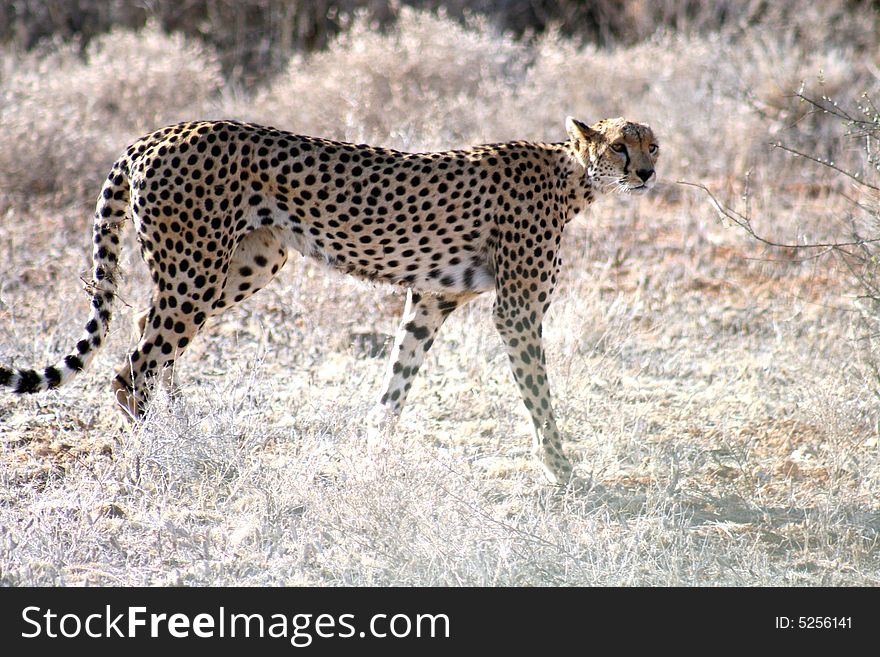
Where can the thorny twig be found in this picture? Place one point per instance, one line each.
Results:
(744, 221)
(825, 163)
(91, 290)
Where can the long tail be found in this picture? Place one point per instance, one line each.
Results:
(110, 214)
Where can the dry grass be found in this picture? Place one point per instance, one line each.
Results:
(714, 391)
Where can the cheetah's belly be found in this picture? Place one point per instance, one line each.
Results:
(399, 263)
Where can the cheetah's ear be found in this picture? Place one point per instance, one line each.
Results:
(578, 131)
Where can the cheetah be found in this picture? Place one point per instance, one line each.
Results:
(218, 205)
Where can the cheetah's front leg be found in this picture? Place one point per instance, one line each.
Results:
(518, 313)
(522, 337)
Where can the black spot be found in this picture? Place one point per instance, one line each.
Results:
(29, 381)
(73, 363)
(469, 278)
(53, 376)
(418, 332)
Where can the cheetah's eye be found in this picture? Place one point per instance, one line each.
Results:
(618, 148)
(653, 148)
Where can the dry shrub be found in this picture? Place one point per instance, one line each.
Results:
(64, 118)
(424, 84)
(250, 36)
(255, 35)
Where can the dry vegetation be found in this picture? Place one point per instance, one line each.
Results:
(718, 393)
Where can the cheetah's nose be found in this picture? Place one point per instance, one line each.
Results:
(644, 174)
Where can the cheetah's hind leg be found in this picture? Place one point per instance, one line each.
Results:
(178, 314)
(423, 316)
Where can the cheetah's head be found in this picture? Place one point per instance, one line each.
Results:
(617, 154)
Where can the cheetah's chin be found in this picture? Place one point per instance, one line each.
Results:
(638, 189)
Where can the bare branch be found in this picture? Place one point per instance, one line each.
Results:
(825, 163)
(745, 223)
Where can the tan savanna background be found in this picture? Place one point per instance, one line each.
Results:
(721, 395)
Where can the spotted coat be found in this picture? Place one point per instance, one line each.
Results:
(218, 206)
